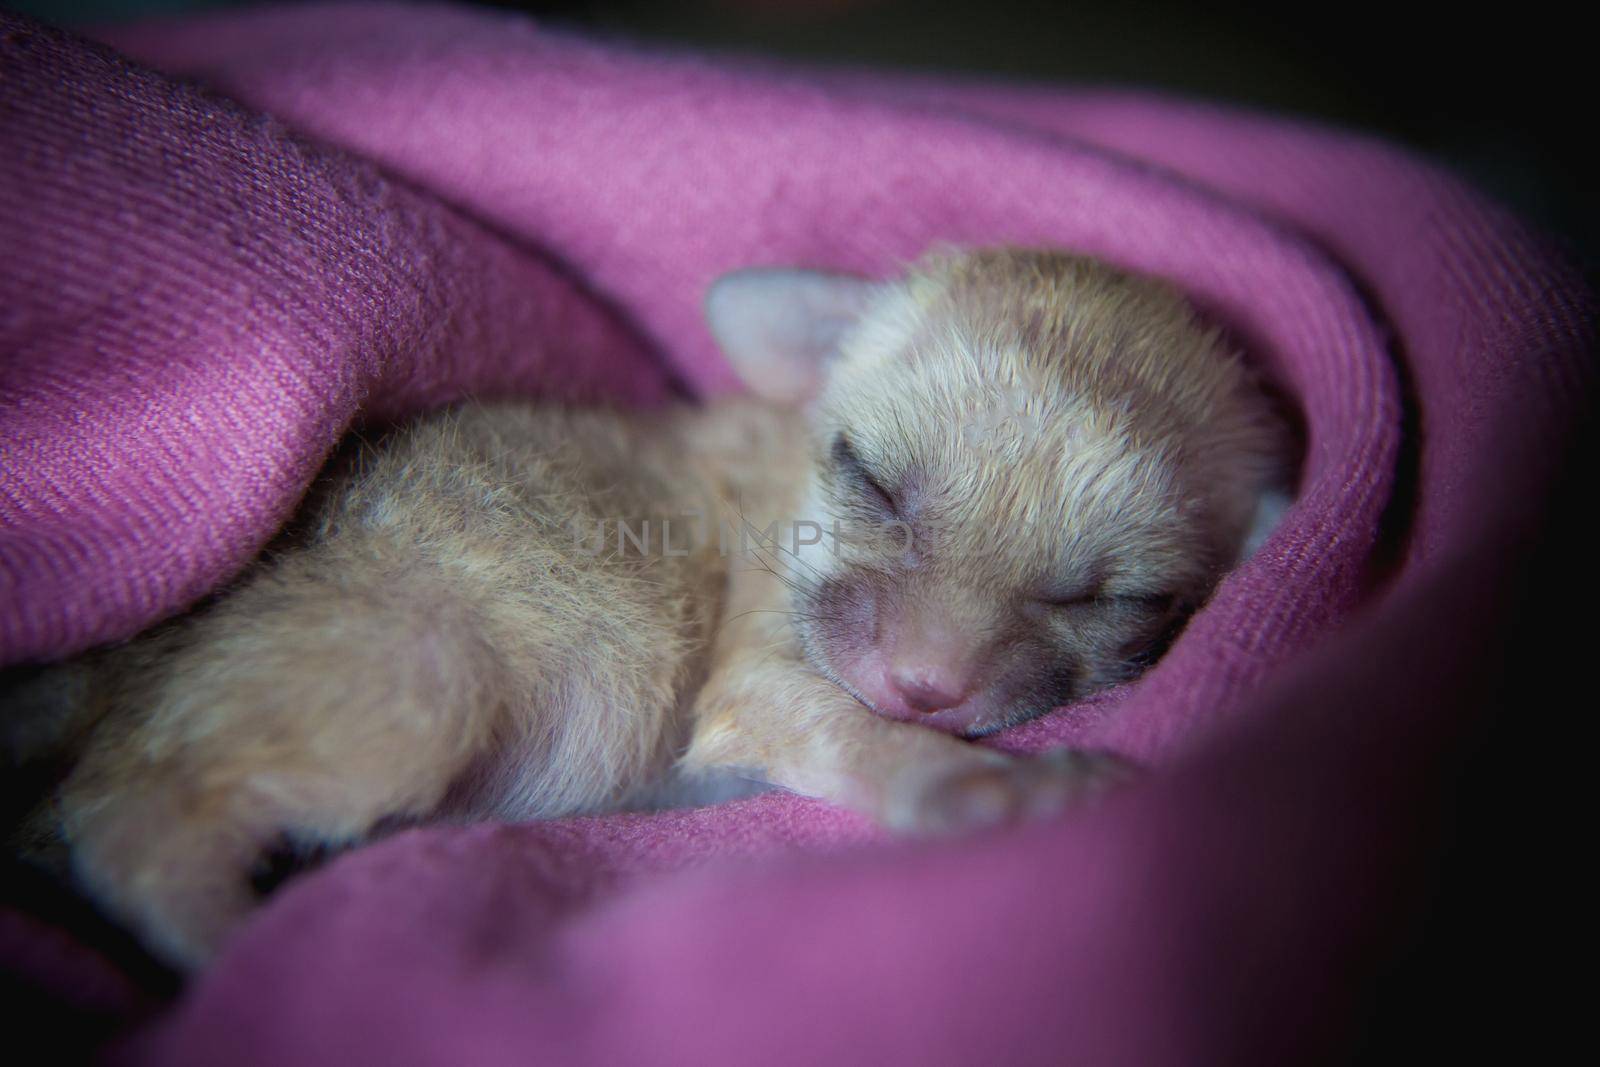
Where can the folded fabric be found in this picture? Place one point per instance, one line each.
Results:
(395, 206)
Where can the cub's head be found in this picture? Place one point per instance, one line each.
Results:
(1041, 465)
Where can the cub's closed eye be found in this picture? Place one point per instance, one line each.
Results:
(1065, 600)
(854, 470)
(1154, 602)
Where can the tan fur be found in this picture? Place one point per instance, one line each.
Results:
(433, 641)
(1056, 431)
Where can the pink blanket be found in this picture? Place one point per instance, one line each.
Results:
(409, 204)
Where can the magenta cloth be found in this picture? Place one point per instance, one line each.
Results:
(389, 207)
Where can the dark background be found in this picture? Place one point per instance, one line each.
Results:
(1501, 93)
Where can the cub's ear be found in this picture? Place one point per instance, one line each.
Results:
(779, 327)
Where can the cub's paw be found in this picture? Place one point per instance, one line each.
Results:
(178, 880)
(1011, 791)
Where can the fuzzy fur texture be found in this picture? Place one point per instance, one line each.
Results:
(486, 613)
(1076, 459)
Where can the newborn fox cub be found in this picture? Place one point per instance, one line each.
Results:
(963, 498)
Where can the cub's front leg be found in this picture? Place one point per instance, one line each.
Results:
(775, 718)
